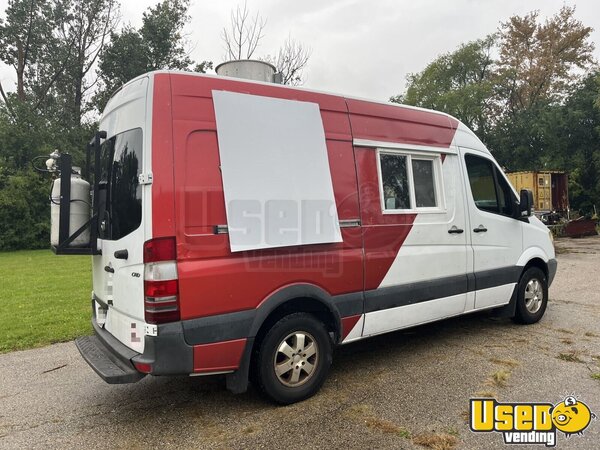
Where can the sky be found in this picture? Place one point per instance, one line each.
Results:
(362, 48)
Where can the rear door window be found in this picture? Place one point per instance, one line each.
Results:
(121, 159)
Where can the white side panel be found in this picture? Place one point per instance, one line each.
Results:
(429, 251)
(275, 168)
(495, 296)
(410, 315)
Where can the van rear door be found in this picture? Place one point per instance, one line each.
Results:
(119, 270)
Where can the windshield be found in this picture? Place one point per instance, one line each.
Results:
(120, 192)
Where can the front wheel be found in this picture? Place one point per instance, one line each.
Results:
(293, 359)
(532, 296)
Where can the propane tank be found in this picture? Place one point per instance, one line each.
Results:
(80, 210)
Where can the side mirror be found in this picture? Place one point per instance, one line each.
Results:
(525, 202)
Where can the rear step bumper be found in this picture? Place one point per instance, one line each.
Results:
(111, 369)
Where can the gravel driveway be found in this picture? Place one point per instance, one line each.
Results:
(392, 391)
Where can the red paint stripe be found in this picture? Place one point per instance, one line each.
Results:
(348, 323)
(219, 356)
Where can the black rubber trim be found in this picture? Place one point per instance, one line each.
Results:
(349, 304)
(552, 267)
(102, 361)
(497, 277)
(244, 324)
(109, 358)
(112, 344)
(411, 293)
(422, 291)
(222, 327)
(168, 353)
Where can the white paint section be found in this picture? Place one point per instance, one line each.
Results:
(407, 316)
(494, 296)
(126, 329)
(464, 137)
(537, 242)
(429, 251)
(356, 332)
(128, 109)
(276, 175)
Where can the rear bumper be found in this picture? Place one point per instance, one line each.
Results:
(111, 369)
(165, 354)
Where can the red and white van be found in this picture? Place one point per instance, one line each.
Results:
(247, 228)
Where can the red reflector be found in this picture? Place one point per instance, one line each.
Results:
(166, 288)
(160, 249)
(143, 367)
(162, 316)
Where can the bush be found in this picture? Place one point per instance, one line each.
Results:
(24, 211)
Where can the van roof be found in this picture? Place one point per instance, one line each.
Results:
(464, 137)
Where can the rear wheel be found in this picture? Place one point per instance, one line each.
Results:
(293, 359)
(532, 296)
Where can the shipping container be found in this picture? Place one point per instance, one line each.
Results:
(550, 189)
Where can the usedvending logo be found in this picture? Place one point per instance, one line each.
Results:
(530, 423)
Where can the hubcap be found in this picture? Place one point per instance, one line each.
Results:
(296, 359)
(534, 295)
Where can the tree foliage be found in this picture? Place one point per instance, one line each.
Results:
(159, 44)
(459, 83)
(66, 55)
(532, 94)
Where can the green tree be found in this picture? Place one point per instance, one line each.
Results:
(540, 62)
(159, 44)
(459, 83)
(23, 34)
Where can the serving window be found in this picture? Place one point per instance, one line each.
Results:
(410, 182)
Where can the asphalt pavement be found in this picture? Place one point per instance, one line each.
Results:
(401, 390)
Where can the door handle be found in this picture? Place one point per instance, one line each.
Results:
(455, 230)
(480, 229)
(109, 269)
(121, 254)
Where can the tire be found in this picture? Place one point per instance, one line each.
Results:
(532, 296)
(307, 369)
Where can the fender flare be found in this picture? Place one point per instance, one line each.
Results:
(291, 292)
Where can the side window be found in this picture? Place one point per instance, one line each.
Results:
(489, 188)
(409, 182)
(394, 175)
(424, 183)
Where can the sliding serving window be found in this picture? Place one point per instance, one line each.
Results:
(410, 182)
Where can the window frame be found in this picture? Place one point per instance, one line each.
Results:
(438, 185)
(496, 173)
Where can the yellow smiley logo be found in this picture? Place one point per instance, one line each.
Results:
(571, 416)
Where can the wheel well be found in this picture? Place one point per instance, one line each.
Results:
(304, 304)
(539, 263)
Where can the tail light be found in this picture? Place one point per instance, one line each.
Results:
(161, 285)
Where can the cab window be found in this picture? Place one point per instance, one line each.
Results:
(490, 189)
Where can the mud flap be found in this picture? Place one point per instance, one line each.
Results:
(237, 382)
(507, 311)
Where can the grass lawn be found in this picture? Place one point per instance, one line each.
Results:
(44, 298)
